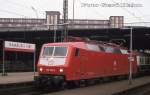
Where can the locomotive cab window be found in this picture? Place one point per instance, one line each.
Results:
(56, 51)
(77, 52)
(48, 51)
(60, 51)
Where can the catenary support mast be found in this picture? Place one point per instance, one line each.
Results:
(65, 19)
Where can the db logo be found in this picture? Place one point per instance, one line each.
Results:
(50, 62)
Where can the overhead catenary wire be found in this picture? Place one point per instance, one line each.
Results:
(129, 12)
(24, 6)
(14, 13)
(18, 4)
(140, 13)
(125, 9)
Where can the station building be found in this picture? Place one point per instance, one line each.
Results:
(53, 18)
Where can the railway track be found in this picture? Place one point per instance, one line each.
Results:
(29, 89)
(141, 90)
(19, 89)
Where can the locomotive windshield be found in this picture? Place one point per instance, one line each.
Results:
(48, 51)
(55, 51)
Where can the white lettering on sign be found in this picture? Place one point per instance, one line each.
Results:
(19, 45)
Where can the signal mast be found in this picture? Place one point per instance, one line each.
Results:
(65, 19)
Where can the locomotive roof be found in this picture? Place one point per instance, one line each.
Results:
(82, 44)
(75, 44)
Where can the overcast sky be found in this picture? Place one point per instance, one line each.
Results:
(84, 9)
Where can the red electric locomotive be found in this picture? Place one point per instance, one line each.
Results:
(74, 62)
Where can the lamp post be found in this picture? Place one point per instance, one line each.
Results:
(4, 71)
(130, 55)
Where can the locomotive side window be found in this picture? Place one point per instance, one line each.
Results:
(123, 51)
(101, 48)
(77, 52)
(117, 51)
(93, 47)
(48, 51)
(109, 49)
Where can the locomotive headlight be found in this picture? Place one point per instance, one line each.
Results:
(41, 69)
(61, 70)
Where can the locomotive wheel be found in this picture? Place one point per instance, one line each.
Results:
(71, 84)
(63, 85)
(83, 83)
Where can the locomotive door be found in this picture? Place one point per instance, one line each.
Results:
(81, 60)
(80, 71)
(83, 65)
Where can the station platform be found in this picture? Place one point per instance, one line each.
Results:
(112, 88)
(19, 77)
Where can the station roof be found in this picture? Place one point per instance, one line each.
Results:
(141, 36)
